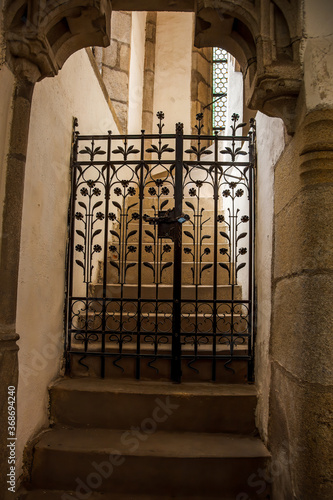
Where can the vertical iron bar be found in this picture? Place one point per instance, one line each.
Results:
(70, 257)
(141, 195)
(252, 159)
(216, 199)
(105, 263)
(177, 267)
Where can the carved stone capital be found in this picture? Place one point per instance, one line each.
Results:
(41, 36)
(275, 93)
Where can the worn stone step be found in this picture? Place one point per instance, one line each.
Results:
(186, 257)
(124, 367)
(66, 495)
(122, 404)
(174, 463)
(165, 291)
(201, 324)
(207, 275)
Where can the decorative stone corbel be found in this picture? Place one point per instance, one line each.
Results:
(40, 36)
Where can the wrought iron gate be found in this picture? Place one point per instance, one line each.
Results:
(160, 265)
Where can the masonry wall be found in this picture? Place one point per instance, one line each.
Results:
(74, 92)
(301, 398)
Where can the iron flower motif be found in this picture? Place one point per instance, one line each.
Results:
(79, 248)
(125, 183)
(207, 251)
(117, 191)
(239, 193)
(78, 216)
(132, 249)
(97, 248)
(135, 216)
(223, 251)
(245, 218)
(165, 190)
(112, 248)
(199, 184)
(131, 191)
(220, 218)
(96, 191)
(91, 183)
(166, 248)
(159, 182)
(84, 191)
(100, 216)
(187, 250)
(226, 193)
(192, 192)
(242, 251)
(148, 248)
(152, 191)
(232, 185)
(112, 216)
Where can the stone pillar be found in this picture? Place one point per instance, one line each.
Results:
(302, 321)
(149, 73)
(10, 256)
(26, 49)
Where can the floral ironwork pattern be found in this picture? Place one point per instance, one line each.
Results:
(161, 250)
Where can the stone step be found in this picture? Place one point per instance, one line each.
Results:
(186, 257)
(152, 369)
(200, 323)
(148, 291)
(167, 275)
(126, 403)
(184, 464)
(67, 495)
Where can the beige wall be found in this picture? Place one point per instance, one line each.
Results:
(270, 144)
(172, 92)
(6, 92)
(136, 72)
(74, 92)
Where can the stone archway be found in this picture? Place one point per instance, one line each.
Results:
(265, 37)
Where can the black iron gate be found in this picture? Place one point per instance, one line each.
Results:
(160, 266)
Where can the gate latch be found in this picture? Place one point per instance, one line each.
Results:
(166, 222)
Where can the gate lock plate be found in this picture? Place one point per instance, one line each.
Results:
(166, 222)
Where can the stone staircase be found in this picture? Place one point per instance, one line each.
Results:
(163, 317)
(123, 439)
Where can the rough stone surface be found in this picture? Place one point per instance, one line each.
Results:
(302, 321)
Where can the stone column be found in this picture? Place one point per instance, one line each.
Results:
(10, 256)
(302, 322)
(149, 73)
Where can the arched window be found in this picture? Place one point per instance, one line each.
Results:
(220, 88)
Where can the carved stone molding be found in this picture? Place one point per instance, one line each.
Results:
(264, 37)
(41, 35)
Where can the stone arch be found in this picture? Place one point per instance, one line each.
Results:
(265, 40)
(42, 35)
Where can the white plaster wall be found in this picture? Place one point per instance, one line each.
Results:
(172, 90)
(270, 144)
(7, 83)
(136, 72)
(318, 53)
(74, 92)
